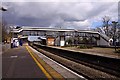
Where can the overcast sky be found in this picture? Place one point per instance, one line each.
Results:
(77, 15)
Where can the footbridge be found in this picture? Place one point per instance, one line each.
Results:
(60, 37)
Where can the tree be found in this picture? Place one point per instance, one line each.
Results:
(105, 21)
(2, 28)
(69, 40)
(5, 32)
(0, 32)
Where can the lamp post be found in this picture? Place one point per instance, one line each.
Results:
(3, 9)
(114, 34)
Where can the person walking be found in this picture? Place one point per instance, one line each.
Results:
(11, 43)
(20, 41)
(16, 42)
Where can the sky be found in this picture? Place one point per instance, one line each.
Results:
(59, 14)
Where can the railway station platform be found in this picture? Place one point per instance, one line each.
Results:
(26, 62)
(105, 52)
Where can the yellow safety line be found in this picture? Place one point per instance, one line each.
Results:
(40, 66)
(48, 68)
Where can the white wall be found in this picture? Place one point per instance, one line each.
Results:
(62, 41)
(33, 38)
(102, 42)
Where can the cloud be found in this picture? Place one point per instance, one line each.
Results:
(61, 1)
(78, 15)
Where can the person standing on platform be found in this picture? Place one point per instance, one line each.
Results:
(17, 43)
(20, 41)
(11, 43)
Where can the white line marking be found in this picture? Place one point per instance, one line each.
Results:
(13, 56)
(59, 64)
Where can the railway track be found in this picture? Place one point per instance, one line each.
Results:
(107, 65)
